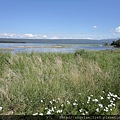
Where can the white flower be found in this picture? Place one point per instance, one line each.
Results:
(110, 94)
(59, 111)
(54, 100)
(110, 105)
(79, 93)
(46, 108)
(88, 98)
(100, 105)
(50, 102)
(80, 110)
(114, 99)
(108, 97)
(83, 114)
(101, 98)
(106, 110)
(0, 108)
(86, 112)
(111, 101)
(95, 100)
(111, 109)
(48, 112)
(68, 102)
(75, 104)
(97, 109)
(103, 91)
(87, 102)
(118, 98)
(35, 114)
(55, 107)
(52, 109)
(113, 105)
(41, 114)
(115, 96)
(62, 105)
(58, 98)
(75, 100)
(41, 101)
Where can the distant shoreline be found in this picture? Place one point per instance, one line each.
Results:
(10, 42)
(9, 49)
(55, 46)
(56, 41)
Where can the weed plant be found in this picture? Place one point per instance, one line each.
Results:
(80, 83)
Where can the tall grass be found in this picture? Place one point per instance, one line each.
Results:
(26, 79)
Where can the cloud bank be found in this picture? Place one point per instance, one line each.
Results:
(38, 36)
(26, 36)
(117, 29)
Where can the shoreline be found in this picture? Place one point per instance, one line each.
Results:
(56, 46)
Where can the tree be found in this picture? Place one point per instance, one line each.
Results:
(116, 43)
(105, 44)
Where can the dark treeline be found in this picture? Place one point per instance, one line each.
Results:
(10, 42)
(116, 43)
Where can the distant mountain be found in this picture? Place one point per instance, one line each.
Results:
(56, 41)
(109, 40)
(7, 40)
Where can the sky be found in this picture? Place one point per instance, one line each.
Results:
(60, 19)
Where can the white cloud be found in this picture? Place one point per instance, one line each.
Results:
(55, 37)
(94, 26)
(14, 35)
(11, 35)
(29, 35)
(64, 36)
(89, 38)
(117, 29)
(44, 36)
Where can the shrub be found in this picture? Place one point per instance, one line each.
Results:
(116, 43)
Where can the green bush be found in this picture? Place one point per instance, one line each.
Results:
(116, 43)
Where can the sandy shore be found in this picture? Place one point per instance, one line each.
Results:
(6, 49)
(56, 46)
(25, 46)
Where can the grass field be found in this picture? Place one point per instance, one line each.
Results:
(80, 83)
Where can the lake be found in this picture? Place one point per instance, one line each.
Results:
(62, 46)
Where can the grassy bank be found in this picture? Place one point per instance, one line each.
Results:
(84, 82)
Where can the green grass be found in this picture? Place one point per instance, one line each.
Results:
(47, 82)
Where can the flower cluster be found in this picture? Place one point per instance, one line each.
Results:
(92, 105)
(0, 108)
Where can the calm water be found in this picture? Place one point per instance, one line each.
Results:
(55, 46)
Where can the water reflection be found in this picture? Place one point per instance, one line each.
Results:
(63, 48)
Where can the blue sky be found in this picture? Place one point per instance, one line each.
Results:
(93, 19)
